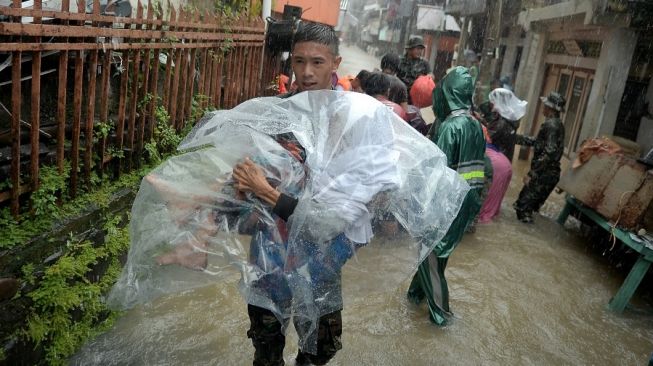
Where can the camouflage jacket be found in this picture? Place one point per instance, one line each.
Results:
(410, 69)
(549, 146)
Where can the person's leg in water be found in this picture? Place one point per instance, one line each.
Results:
(523, 206)
(546, 184)
(534, 194)
(329, 333)
(429, 282)
(267, 337)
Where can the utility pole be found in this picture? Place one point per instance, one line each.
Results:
(406, 10)
(464, 36)
(489, 59)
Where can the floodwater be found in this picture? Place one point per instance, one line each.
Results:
(521, 294)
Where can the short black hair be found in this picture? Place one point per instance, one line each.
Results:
(398, 92)
(318, 33)
(390, 61)
(377, 84)
(362, 76)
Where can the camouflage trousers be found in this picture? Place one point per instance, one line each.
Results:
(534, 194)
(268, 339)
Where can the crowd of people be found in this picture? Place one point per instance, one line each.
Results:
(478, 142)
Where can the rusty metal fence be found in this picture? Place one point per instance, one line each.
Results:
(114, 72)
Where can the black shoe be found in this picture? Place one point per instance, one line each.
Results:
(525, 217)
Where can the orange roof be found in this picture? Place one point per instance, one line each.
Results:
(320, 11)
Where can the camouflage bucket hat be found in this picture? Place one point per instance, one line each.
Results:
(554, 100)
(415, 41)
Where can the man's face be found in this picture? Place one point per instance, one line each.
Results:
(549, 112)
(416, 52)
(313, 64)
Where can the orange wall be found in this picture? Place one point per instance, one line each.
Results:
(321, 11)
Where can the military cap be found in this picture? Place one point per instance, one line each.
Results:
(554, 100)
(415, 41)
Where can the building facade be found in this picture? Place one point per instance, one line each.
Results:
(596, 55)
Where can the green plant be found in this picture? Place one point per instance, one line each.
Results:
(256, 9)
(227, 45)
(165, 135)
(143, 103)
(103, 129)
(18, 230)
(114, 152)
(152, 152)
(64, 290)
(5, 185)
(51, 182)
(196, 109)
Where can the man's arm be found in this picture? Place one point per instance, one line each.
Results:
(550, 139)
(525, 140)
(250, 178)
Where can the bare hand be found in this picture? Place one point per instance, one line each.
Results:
(249, 177)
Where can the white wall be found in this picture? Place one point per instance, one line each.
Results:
(529, 80)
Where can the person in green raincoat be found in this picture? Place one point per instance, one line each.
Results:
(461, 139)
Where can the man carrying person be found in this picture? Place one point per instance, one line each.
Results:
(461, 139)
(314, 59)
(545, 166)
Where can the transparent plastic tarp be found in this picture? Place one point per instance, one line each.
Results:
(355, 168)
(507, 104)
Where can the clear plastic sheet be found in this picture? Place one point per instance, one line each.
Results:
(507, 104)
(352, 164)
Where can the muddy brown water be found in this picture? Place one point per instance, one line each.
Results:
(521, 294)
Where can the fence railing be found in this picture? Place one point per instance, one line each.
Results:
(96, 82)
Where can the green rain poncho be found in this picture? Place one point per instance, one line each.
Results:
(461, 139)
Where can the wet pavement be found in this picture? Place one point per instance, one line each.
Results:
(522, 295)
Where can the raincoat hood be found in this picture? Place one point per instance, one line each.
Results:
(453, 92)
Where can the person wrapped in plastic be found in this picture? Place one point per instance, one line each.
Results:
(504, 110)
(502, 121)
(301, 179)
(461, 139)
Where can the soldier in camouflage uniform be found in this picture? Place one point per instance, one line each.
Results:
(545, 166)
(412, 64)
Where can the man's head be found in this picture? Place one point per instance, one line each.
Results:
(314, 56)
(390, 63)
(415, 47)
(358, 84)
(554, 104)
(398, 92)
(377, 84)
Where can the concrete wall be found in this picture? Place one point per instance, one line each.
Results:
(529, 80)
(512, 42)
(609, 83)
